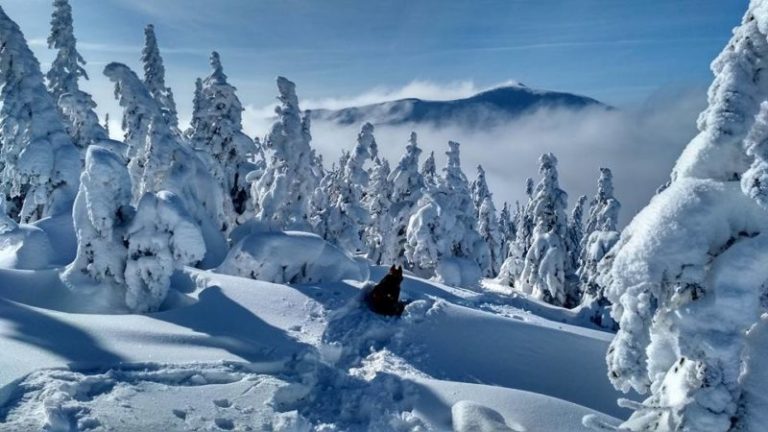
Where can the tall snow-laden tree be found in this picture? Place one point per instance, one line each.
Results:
(479, 189)
(407, 189)
(547, 271)
(378, 200)
(159, 161)
(687, 277)
(429, 171)
(66, 70)
(600, 234)
(519, 245)
(217, 131)
(101, 213)
(489, 230)
(488, 224)
(39, 164)
(154, 77)
(507, 230)
(282, 194)
(441, 235)
(347, 216)
(576, 232)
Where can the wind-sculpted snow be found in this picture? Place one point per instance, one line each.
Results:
(291, 257)
(303, 355)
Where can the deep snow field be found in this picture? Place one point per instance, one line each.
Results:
(230, 353)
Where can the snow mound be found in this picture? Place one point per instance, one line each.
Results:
(458, 272)
(472, 417)
(291, 257)
(25, 247)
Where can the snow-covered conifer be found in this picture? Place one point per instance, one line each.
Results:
(489, 230)
(429, 171)
(282, 194)
(507, 230)
(407, 188)
(154, 77)
(76, 105)
(162, 237)
(40, 165)
(687, 278)
(101, 213)
(546, 273)
(479, 189)
(378, 201)
(576, 231)
(217, 131)
(443, 227)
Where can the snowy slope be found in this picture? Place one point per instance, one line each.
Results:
(230, 352)
(474, 111)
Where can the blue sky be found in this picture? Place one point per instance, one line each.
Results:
(649, 57)
(618, 51)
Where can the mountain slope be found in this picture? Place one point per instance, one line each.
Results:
(481, 109)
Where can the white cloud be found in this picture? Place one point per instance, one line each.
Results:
(639, 145)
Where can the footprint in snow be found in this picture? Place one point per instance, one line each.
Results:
(222, 403)
(224, 423)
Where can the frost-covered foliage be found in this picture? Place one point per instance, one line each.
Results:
(600, 235)
(282, 194)
(378, 200)
(131, 252)
(488, 228)
(443, 227)
(76, 105)
(159, 161)
(162, 237)
(291, 257)
(429, 171)
(345, 216)
(101, 212)
(38, 161)
(154, 77)
(688, 277)
(507, 231)
(217, 131)
(407, 188)
(547, 270)
(488, 225)
(519, 245)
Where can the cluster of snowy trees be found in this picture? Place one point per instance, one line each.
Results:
(56, 157)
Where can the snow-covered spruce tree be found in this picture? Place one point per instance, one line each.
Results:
(154, 77)
(407, 189)
(39, 164)
(576, 232)
(547, 273)
(159, 161)
(441, 235)
(346, 215)
(519, 245)
(76, 105)
(487, 223)
(101, 213)
(217, 131)
(490, 232)
(282, 194)
(507, 230)
(688, 278)
(429, 171)
(161, 238)
(479, 189)
(601, 233)
(378, 200)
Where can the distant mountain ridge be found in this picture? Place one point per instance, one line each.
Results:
(483, 108)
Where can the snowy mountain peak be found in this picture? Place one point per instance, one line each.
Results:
(487, 107)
